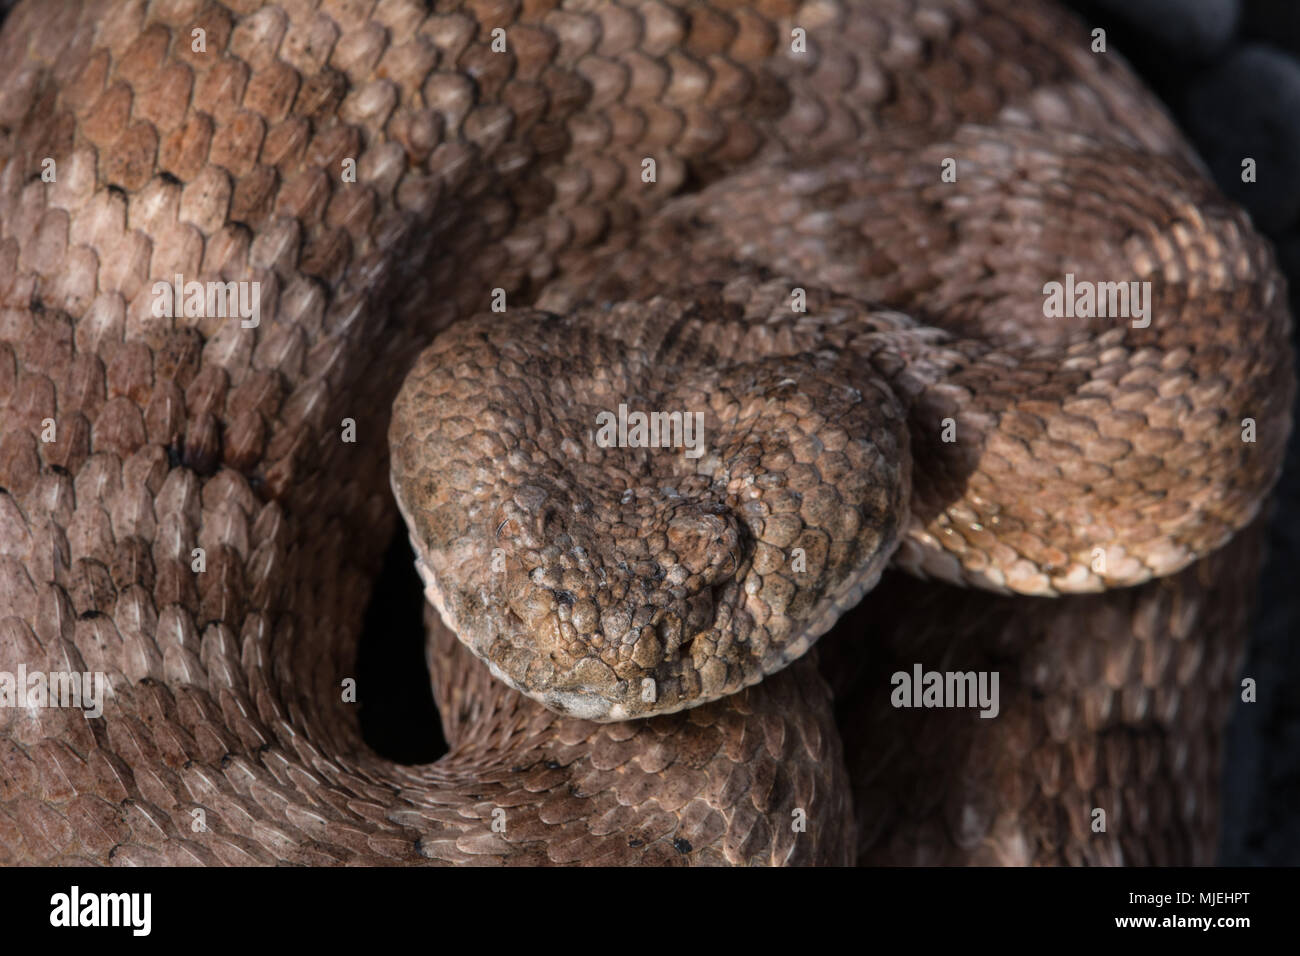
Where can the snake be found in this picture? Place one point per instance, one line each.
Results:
(814, 244)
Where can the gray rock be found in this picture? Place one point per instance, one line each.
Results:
(1276, 22)
(1197, 29)
(1248, 107)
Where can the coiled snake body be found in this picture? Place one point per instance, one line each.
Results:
(825, 228)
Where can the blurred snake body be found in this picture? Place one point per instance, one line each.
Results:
(827, 229)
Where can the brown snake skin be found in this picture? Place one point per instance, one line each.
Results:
(227, 738)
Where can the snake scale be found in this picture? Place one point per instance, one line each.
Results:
(824, 228)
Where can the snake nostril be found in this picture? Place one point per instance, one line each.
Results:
(705, 543)
(670, 632)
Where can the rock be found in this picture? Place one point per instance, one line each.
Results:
(1247, 107)
(1194, 29)
(1272, 21)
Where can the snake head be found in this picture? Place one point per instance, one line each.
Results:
(610, 580)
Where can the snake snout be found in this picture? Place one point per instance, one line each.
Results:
(612, 614)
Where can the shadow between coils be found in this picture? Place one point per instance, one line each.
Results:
(399, 719)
